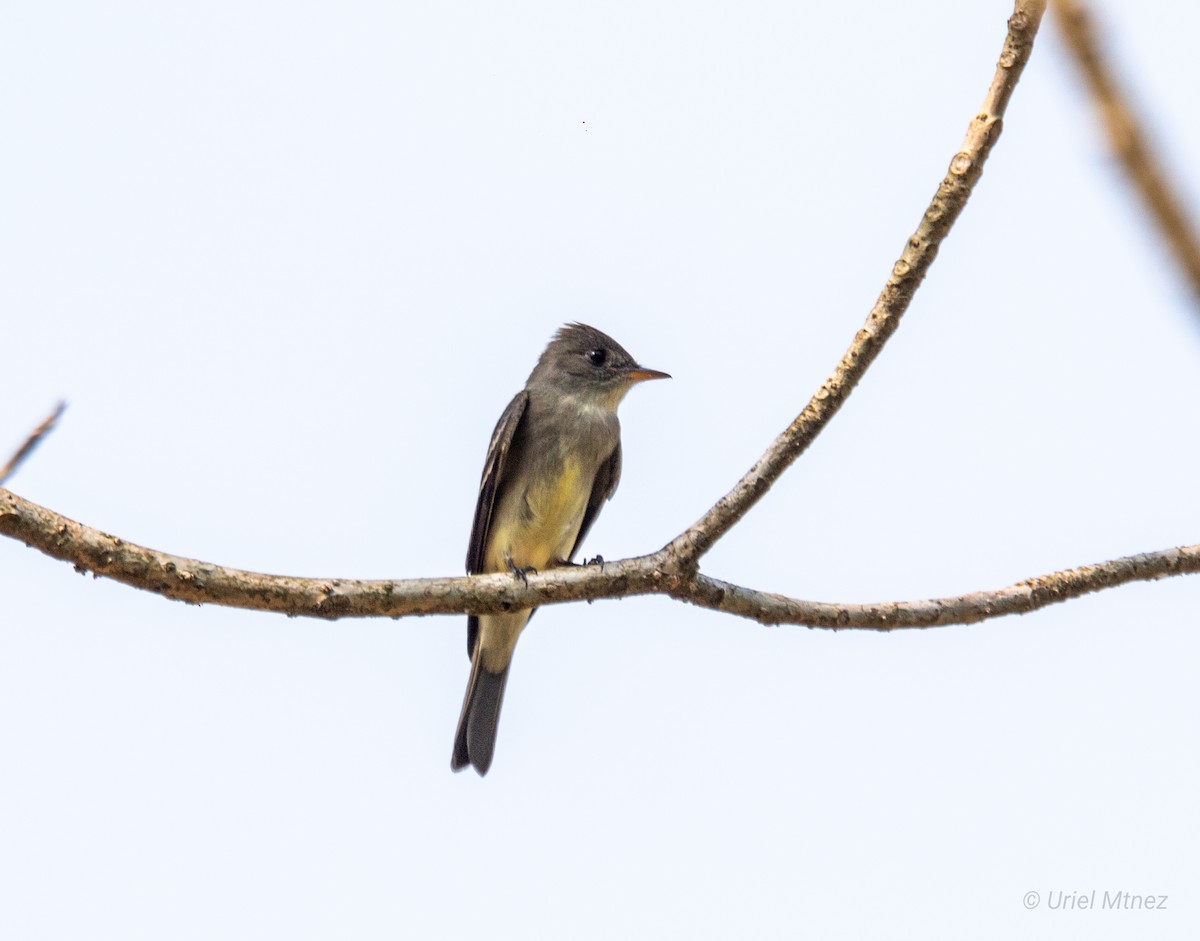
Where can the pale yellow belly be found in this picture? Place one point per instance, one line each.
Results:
(537, 526)
(532, 527)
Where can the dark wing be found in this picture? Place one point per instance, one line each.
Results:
(489, 483)
(489, 486)
(603, 488)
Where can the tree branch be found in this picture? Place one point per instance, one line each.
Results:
(907, 274)
(191, 580)
(1021, 598)
(204, 583)
(34, 439)
(672, 570)
(1129, 141)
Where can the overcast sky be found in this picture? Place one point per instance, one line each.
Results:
(289, 261)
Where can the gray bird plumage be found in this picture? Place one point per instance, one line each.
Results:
(553, 460)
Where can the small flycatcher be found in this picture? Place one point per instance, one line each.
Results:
(553, 460)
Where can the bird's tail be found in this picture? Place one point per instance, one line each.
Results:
(475, 739)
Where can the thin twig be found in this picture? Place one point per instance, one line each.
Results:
(34, 439)
(906, 276)
(1129, 141)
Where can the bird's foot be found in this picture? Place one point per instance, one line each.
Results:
(594, 560)
(520, 571)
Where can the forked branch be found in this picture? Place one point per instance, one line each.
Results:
(673, 570)
(906, 276)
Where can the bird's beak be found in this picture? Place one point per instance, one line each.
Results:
(639, 374)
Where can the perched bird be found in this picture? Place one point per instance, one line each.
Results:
(553, 460)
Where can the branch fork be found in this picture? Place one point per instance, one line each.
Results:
(673, 570)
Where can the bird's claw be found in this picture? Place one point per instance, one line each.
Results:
(521, 572)
(594, 560)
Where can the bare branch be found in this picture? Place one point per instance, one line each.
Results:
(1021, 598)
(671, 571)
(190, 580)
(1128, 139)
(906, 276)
(34, 439)
(204, 583)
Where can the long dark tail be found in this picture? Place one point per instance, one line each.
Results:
(475, 739)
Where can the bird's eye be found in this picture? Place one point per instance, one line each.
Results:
(597, 357)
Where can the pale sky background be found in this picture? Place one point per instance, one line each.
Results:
(288, 262)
